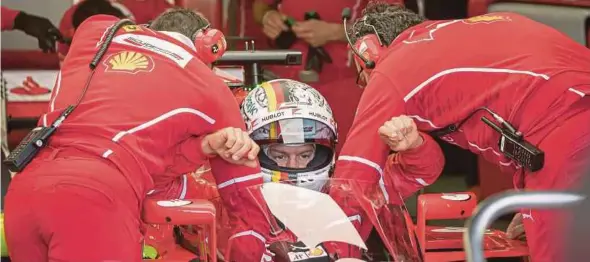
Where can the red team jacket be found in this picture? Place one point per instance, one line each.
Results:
(148, 104)
(439, 72)
(8, 16)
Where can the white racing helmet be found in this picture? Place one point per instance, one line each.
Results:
(291, 113)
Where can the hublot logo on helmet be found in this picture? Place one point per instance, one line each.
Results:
(273, 116)
(322, 117)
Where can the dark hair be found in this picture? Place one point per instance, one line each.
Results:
(180, 20)
(389, 20)
(88, 8)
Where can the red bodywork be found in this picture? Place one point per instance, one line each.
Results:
(446, 243)
(438, 243)
(162, 219)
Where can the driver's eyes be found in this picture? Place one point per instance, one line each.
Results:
(305, 156)
(279, 158)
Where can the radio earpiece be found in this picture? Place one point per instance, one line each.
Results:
(210, 44)
(368, 48)
(368, 64)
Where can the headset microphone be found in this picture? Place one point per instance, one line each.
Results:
(345, 16)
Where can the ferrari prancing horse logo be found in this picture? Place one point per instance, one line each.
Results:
(131, 28)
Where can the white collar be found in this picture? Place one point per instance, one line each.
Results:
(182, 38)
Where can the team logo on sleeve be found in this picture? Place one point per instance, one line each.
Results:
(131, 28)
(129, 62)
(487, 19)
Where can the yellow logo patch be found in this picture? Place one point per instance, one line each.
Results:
(129, 62)
(488, 19)
(316, 252)
(131, 28)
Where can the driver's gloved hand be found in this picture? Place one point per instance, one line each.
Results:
(40, 28)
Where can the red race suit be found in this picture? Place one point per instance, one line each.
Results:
(440, 72)
(8, 16)
(137, 129)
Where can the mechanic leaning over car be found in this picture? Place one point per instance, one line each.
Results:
(152, 111)
(35, 26)
(467, 80)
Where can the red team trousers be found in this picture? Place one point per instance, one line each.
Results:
(567, 152)
(111, 213)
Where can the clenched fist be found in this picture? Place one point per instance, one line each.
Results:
(400, 134)
(232, 144)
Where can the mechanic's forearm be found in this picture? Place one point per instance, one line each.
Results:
(259, 9)
(239, 188)
(337, 32)
(422, 164)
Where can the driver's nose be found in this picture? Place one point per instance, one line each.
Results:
(292, 162)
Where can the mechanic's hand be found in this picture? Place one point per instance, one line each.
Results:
(273, 23)
(316, 32)
(232, 144)
(400, 134)
(40, 28)
(516, 228)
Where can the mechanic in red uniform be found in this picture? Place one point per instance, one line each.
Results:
(336, 79)
(35, 26)
(144, 120)
(440, 73)
(140, 11)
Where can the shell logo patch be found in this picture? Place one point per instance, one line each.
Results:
(129, 62)
(487, 19)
